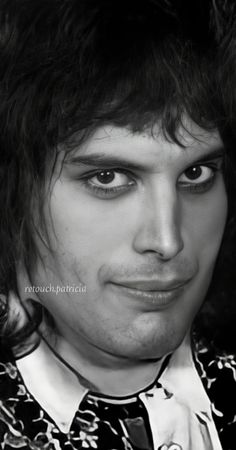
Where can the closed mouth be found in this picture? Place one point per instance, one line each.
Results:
(152, 285)
(158, 296)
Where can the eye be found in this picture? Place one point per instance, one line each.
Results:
(196, 175)
(108, 183)
(109, 179)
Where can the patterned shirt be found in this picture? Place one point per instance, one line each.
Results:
(105, 423)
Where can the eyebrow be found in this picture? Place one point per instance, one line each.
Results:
(213, 154)
(101, 160)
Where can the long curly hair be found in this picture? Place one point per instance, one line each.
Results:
(70, 66)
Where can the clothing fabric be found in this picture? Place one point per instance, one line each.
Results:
(191, 406)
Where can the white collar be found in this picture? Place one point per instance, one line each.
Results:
(56, 390)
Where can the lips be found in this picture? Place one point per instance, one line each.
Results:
(152, 285)
(151, 294)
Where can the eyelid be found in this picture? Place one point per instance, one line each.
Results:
(214, 162)
(94, 172)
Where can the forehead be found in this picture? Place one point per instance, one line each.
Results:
(189, 136)
(147, 148)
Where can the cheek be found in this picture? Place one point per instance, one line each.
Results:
(215, 219)
(85, 236)
(87, 225)
(206, 223)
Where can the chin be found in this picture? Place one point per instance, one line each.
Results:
(161, 341)
(154, 348)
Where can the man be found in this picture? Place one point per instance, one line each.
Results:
(114, 205)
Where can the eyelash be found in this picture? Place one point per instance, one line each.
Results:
(191, 187)
(103, 191)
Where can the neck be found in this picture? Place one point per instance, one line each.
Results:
(102, 372)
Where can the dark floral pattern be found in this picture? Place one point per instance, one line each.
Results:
(218, 374)
(100, 424)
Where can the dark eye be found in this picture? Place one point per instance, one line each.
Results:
(105, 177)
(110, 178)
(196, 175)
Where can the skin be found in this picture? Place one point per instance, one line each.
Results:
(155, 228)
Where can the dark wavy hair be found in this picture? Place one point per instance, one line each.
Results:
(70, 66)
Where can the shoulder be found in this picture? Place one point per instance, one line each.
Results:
(218, 373)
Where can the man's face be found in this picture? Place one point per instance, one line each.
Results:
(138, 221)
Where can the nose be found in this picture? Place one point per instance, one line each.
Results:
(159, 225)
